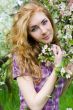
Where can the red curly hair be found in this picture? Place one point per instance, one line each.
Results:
(25, 47)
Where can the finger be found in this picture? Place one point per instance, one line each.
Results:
(55, 49)
(58, 49)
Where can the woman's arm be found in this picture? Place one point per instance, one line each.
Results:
(36, 101)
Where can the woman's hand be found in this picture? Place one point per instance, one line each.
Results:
(58, 54)
(69, 69)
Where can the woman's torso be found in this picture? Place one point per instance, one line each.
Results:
(53, 102)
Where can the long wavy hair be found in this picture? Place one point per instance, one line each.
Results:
(25, 48)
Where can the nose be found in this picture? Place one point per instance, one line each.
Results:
(43, 30)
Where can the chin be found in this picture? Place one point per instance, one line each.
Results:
(48, 42)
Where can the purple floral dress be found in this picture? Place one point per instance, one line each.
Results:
(53, 102)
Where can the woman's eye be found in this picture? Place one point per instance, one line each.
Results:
(34, 29)
(44, 22)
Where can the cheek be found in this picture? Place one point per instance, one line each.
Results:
(35, 35)
(49, 26)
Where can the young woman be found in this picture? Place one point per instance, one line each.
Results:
(32, 25)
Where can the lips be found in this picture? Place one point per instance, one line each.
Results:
(46, 37)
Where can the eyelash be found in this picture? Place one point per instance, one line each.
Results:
(34, 29)
(44, 22)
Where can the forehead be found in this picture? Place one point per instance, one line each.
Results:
(36, 18)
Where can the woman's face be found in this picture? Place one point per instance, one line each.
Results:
(40, 28)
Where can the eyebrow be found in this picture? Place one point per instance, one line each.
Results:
(43, 20)
(36, 25)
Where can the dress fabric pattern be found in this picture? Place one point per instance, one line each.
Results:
(53, 102)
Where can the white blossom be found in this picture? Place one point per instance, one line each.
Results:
(55, 20)
(67, 13)
(67, 36)
(68, 76)
(2, 83)
(71, 49)
(45, 46)
(62, 6)
(71, 60)
(69, 71)
(43, 50)
(64, 52)
(19, 2)
(66, 26)
(62, 70)
(49, 49)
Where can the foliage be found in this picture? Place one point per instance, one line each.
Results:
(63, 18)
(4, 70)
(62, 15)
(7, 9)
(46, 54)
